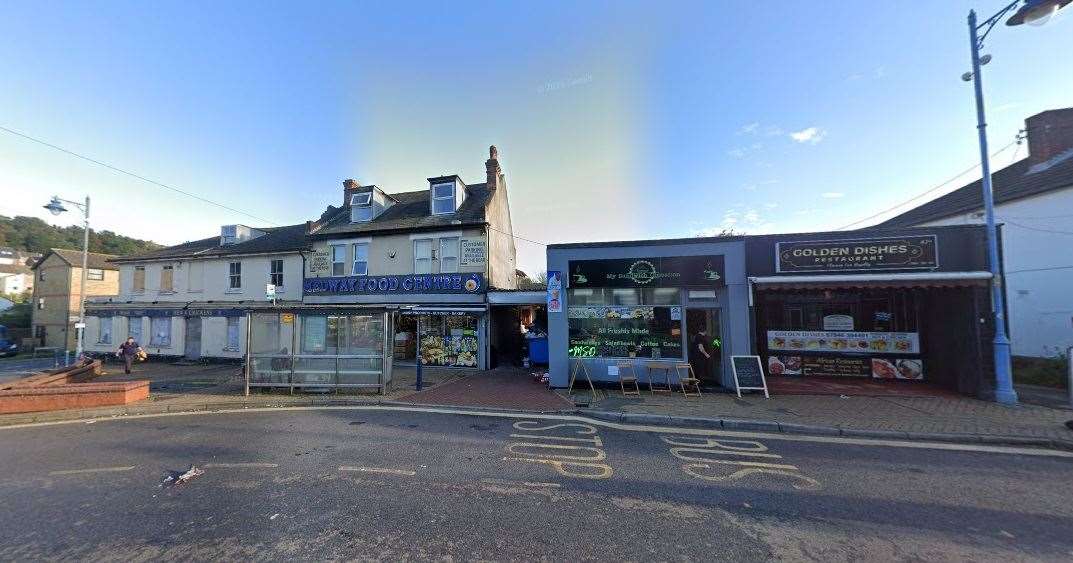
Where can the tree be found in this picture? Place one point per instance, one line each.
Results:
(34, 235)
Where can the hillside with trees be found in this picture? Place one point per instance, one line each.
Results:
(34, 235)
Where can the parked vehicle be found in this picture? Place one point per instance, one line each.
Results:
(8, 345)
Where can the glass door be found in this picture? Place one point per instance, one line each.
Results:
(704, 329)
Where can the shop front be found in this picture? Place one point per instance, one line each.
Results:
(645, 308)
(444, 315)
(908, 309)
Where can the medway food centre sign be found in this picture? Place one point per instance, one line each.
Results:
(416, 283)
(903, 253)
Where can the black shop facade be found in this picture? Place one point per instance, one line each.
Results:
(906, 310)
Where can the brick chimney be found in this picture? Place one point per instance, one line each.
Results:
(494, 171)
(349, 187)
(1049, 133)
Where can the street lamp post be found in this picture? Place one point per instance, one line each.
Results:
(1034, 12)
(55, 206)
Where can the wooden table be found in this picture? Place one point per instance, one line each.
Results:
(666, 368)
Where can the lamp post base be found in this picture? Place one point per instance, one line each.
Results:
(1004, 392)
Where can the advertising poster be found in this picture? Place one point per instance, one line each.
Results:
(836, 341)
(555, 292)
(474, 252)
(847, 366)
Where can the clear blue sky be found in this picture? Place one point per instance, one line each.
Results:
(613, 120)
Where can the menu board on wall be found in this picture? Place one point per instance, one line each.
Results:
(847, 366)
(320, 263)
(833, 341)
(906, 253)
(668, 271)
(623, 332)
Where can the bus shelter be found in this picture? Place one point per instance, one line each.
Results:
(319, 350)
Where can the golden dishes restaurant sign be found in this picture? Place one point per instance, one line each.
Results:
(903, 253)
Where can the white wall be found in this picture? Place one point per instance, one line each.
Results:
(1037, 239)
(213, 284)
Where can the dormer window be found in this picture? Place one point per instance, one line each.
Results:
(443, 199)
(361, 207)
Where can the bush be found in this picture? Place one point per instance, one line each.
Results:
(1049, 372)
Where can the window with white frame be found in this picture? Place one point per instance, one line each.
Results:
(449, 255)
(443, 198)
(95, 274)
(361, 259)
(275, 273)
(139, 279)
(167, 279)
(361, 207)
(161, 332)
(423, 256)
(233, 334)
(104, 335)
(234, 277)
(338, 260)
(134, 328)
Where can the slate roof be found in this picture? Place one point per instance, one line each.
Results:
(94, 260)
(412, 212)
(1016, 181)
(276, 239)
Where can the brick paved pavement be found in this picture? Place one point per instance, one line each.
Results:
(504, 388)
(947, 415)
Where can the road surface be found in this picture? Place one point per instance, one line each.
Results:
(374, 484)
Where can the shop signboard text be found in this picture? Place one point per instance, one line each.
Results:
(667, 271)
(908, 253)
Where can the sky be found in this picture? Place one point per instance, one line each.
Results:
(613, 120)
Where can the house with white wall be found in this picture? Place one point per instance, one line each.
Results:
(1034, 208)
(191, 300)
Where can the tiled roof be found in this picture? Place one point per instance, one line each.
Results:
(275, 239)
(94, 260)
(412, 212)
(1016, 181)
(14, 269)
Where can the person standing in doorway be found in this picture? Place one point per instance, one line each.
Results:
(701, 354)
(128, 351)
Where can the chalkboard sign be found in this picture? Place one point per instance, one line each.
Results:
(748, 374)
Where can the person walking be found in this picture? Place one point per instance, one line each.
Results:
(701, 354)
(128, 351)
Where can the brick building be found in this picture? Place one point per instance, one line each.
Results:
(57, 286)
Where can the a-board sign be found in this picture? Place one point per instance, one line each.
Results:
(748, 374)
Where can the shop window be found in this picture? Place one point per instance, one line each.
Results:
(134, 328)
(423, 256)
(275, 273)
(104, 335)
(234, 277)
(161, 332)
(167, 278)
(139, 279)
(342, 334)
(361, 259)
(608, 296)
(449, 255)
(95, 274)
(449, 340)
(233, 334)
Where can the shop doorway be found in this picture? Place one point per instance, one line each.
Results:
(192, 349)
(704, 329)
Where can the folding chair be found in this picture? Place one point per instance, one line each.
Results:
(631, 379)
(689, 382)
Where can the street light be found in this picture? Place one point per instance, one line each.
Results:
(1035, 12)
(55, 206)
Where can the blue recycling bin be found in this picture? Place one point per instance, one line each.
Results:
(538, 350)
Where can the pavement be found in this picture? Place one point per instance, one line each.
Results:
(953, 419)
(353, 483)
(18, 367)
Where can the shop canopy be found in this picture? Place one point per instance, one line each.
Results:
(841, 281)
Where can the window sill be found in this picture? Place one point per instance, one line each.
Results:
(230, 350)
(164, 292)
(233, 291)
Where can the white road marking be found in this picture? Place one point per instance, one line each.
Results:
(94, 470)
(1014, 450)
(537, 484)
(240, 465)
(404, 472)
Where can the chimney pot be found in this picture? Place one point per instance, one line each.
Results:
(493, 169)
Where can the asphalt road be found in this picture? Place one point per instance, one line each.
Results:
(367, 484)
(15, 368)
